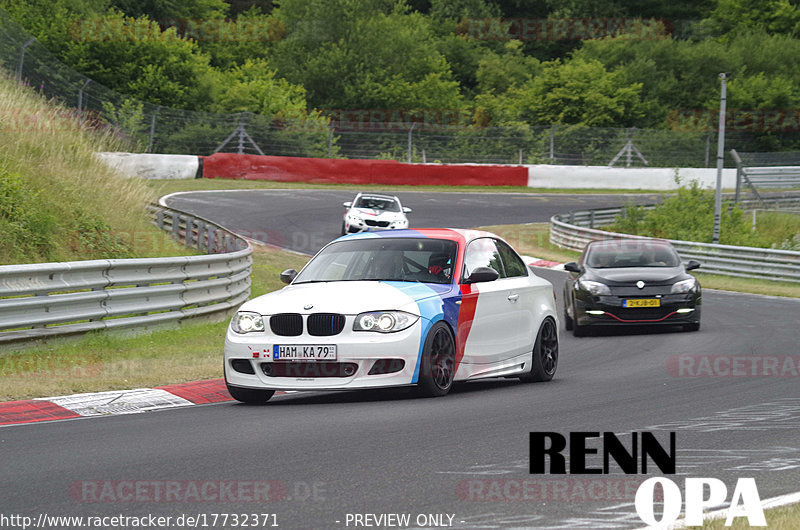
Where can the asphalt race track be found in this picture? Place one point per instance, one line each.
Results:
(465, 455)
(305, 220)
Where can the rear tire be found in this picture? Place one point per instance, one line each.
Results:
(251, 396)
(438, 362)
(544, 357)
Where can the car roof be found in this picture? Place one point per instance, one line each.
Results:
(453, 234)
(376, 195)
(621, 243)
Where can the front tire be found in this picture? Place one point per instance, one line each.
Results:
(438, 362)
(544, 357)
(251, 396)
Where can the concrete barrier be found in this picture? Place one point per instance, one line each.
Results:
(603, 177)
(391, 172)
(152, 166)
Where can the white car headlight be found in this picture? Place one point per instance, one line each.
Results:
(353, 218)
(384, 321)
(684, 286)
(246, 322)
(400, 223)
(595, 288)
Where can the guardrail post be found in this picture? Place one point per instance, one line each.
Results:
(591, 218)
(176, 225)
(160, 219)
(571, 217)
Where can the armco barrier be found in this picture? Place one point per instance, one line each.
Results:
(576, 229)
(342, 171)
(53, 299)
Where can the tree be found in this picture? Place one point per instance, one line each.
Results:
(773, 16)
(370, 54)
(137, 58)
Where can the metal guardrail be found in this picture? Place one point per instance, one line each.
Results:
(576, 229)
(53, 299)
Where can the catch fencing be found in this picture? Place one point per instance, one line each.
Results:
(54, 299)
(575, 229)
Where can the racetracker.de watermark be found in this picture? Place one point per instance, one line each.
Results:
(558, 29)
(547, 490)
(192, 491)
(734, 365)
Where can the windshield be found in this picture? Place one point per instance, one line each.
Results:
(383, 258)
(378, 203)
(613, 256)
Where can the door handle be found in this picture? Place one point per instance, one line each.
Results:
(513, 297)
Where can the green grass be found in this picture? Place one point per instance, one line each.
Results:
(777, 229)
(58, 202)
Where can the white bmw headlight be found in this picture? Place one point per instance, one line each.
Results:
(384, 321)
(353, 218)
(247, 322)
(595, 288)
(400, 223)
(684, 286)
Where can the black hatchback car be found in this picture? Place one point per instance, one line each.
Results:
(630, 282)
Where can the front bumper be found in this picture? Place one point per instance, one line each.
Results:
(675, 309)
(368, 351)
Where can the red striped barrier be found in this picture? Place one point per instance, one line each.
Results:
(343, 171)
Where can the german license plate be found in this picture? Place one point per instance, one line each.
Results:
(642, 302)
(305, 352)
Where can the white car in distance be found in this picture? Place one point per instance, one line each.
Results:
(370, 212)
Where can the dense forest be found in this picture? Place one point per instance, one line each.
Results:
(595, 63)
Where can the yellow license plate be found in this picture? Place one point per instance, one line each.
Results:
(642, 302)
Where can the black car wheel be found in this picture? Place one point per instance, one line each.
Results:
(252, 396)
(438, 362)
(344, 230)
(544, 357)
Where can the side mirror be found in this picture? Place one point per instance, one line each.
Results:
(692, 265)
(288, 276)
(347, 204)
(572, 267)
(483, 274)
(406, 210)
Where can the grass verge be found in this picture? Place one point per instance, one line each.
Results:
(111, 361)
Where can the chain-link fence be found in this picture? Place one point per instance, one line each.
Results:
(158, 129)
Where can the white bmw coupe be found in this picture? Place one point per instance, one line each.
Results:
(395, 308)
(370, 212)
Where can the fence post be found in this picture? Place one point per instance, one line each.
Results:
(152, 129)
(738, 161)
(552, 144)
(411, 130)
(22, 59)
(330, 140)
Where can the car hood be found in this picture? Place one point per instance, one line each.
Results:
(629, 275)
(349, 298)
